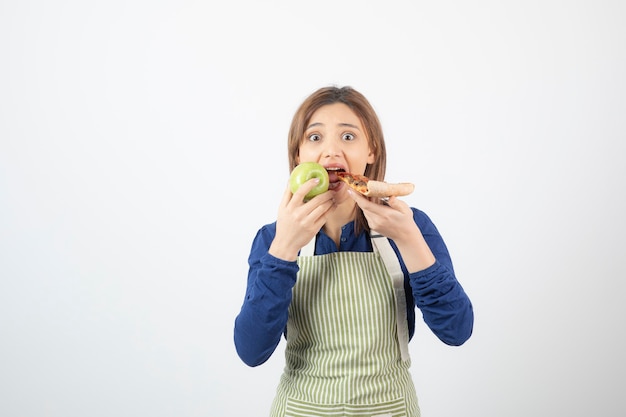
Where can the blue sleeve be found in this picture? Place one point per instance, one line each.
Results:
(445, 307)
(261, 321)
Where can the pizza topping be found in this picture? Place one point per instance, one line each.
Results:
(357, 182)
(371, 188)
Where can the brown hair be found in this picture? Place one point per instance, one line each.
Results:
(366, 114)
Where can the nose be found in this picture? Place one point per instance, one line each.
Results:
(331, 150)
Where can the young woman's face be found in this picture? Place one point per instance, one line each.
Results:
(335, 138)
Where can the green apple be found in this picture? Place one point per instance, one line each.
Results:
(306, 171)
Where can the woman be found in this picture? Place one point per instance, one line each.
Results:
(340, 275)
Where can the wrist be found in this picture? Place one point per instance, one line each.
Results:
(284, 252)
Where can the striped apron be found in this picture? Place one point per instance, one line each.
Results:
(347, 338)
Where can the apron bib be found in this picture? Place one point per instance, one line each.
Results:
(347, 338)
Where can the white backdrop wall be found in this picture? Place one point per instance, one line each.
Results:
(131, 130)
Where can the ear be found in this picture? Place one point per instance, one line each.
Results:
(371, 157)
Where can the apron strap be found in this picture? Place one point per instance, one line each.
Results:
(392, 263)
(381, 245)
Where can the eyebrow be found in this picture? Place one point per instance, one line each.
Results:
(338, 124)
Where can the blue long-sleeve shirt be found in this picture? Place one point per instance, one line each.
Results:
(260, 324)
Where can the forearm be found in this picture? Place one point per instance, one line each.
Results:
(263, 316)
(414, 250)
(446, 308)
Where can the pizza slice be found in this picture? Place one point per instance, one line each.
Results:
(372, 188)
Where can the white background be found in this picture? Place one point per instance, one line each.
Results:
(143, 143)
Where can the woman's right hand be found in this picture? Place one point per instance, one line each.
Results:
(298, 221)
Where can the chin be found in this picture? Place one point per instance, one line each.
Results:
(341, 195)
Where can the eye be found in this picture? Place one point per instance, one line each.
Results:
(314, 137)
(347, 137)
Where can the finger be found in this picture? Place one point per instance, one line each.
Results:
(286, 196)
(392, 201)
(321, 212)
(357, 197)
(318, 205)
(398, 204)
(363, 202)
(305, 188)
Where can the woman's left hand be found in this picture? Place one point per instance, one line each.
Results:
(394, 219)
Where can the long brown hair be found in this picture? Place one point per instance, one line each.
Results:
(366, 114)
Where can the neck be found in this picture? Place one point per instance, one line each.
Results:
(343, 214)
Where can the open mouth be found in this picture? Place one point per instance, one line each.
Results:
(333, 178)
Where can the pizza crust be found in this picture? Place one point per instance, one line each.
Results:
(376, 189)
(381, 189)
